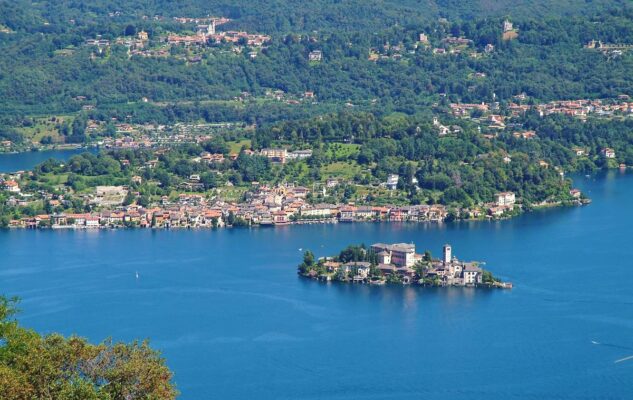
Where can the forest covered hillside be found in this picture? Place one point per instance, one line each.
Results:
(444, 92)
(53, 53)
(285, 16)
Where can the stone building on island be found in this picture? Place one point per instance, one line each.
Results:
(401, 258)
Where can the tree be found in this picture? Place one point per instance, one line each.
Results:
(130, 30)
(209, 179)
(420, 268)
(129, 198)
(216, 145)
(55, 367)
(143, 201)
(230, 220)
(308, 258)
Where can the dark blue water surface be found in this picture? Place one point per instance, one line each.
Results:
(235, 322)
(12, 162)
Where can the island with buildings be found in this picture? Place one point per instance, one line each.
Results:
(397, 263)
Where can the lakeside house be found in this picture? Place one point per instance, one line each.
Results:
(505, 199)
(608, 152)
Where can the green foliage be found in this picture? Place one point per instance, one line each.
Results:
(487, 277)
(253, 168)
(547, 61)
(368, 120)
(55, 367)
(309, 264)
(462, 169)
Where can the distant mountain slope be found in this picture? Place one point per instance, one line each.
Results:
(515, 8)
(295, 15)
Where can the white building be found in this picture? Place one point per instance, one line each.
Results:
(275, 155)
(471, 274)
(318, 211)
(392, 182)
(299, 154)
(92, 222)
(11, 186)
(608, 152)
(315, 55)
(505, 198)
(399, 254)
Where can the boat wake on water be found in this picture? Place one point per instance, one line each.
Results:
(617, 347)
(623, 359)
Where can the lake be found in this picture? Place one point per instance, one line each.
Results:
(234, 321)
(11, 162)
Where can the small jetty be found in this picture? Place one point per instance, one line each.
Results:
(398, 263)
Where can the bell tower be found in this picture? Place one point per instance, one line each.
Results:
(448, 254)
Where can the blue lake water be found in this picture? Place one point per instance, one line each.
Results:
(11, 162)
(235, 322)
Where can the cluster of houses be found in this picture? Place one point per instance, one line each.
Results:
(616, 49)
(137, 136)
(207, 34)
(281, 155)
(448, 45)
(202, 20)
(583, 108)
(417, 213)
(401, 260)
(264, 206)
(495, 123)
(576, 108)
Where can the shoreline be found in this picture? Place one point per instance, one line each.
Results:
(134, 226)
(491, 286)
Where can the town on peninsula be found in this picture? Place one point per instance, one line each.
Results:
(274, 154)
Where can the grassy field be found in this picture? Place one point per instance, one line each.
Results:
(232, 193)
(381, 195)
(341, 170)
(54, 179)
(342, 151)
(237, 146)
(45, 126)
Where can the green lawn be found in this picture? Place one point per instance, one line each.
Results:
(237, 146)
(231, 193)
(54, 179)
(43, 126)
(342, 151)
(342, 170)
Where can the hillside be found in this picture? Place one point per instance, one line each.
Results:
(286, 16)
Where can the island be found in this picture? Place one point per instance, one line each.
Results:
(398, 263)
